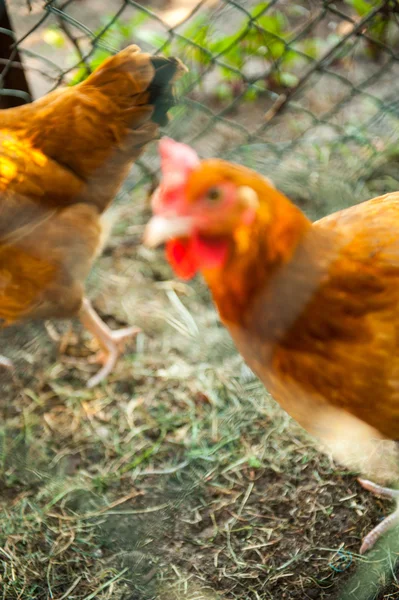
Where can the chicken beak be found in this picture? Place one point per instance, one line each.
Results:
(161, 229)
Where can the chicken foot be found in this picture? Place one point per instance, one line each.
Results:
(386, 524)
(111, 342)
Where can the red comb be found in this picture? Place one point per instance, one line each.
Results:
(177, 162)
(176, 154)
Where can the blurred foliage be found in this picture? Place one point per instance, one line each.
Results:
(262, 54)
(383, 21)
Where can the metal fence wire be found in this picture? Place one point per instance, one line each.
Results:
(270, 83)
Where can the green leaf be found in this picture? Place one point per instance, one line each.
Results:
(228, 46)
(273, 23)
(276, 50)
(259, 9)
(288, 79)
(227, 74)
(224, 92)
(251, 95)
(312, 47)
(290, 57)
(198, 30)
(54, 37)
(362, 7)
(96, 60)
(254, 462)
(151, 37)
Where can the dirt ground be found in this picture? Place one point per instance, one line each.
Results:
(179, 477)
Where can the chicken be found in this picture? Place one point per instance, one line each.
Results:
(62, 160)
(312, 307)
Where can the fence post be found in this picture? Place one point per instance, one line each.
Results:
(11, 77)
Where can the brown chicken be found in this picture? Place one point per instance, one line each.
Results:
(62, 160)
(312, 307)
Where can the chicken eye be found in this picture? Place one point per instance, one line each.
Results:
(214, 194)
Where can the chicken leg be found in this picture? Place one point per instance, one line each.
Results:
(110, 341)
(386, 524)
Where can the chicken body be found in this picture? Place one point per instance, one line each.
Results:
(62, 160)
(313, 308)
(322, 320)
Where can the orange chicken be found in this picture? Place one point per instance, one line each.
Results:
(312, 307)
(62, 160)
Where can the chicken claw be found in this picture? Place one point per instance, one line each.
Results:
(386, 524)
(111, 342)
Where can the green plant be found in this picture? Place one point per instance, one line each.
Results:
(380, 24)
(264, 38)
(118, 35)
(262, 43)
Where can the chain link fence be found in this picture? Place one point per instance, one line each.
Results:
(270, 84)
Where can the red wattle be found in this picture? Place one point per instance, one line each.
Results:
(187, 256)
(210, 252)
(182, 258)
